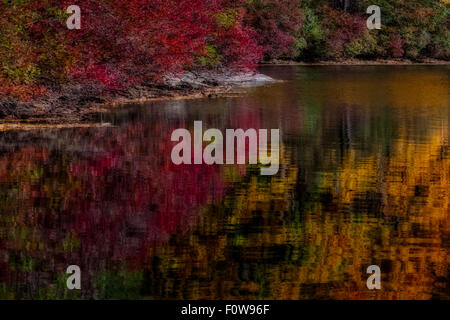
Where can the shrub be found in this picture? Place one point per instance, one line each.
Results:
(31, 48)
(277, 23)
(396, 46)
(310, 40)
(341, 32)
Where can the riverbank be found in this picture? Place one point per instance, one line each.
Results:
(77, 103)
(359, 62)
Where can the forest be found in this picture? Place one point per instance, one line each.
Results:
(125, 43)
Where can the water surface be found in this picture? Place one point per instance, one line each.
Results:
(364, 179)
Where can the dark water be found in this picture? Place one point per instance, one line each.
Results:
(364, 179)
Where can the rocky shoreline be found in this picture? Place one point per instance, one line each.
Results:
(78, 103)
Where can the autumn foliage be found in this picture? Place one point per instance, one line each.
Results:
(122, 43)
(412, 29)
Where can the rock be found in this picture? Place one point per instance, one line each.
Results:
(215, 78)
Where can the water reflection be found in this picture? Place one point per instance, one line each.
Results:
(364, 179)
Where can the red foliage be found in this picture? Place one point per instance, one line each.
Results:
(277, 23)
(237, 45)
(120, 43)
(138, 40)
(341, 29)
(396, 46)
(25, 92)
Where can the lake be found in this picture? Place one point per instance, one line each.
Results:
(364, 180)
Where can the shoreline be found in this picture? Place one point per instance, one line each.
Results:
(358, 62)
(76, 105)
(56, 110)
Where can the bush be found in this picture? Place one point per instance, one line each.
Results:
(277, 23)
(31, 47)
(396, 46)
(310, 42)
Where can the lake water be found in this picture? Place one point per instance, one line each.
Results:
(364, 180)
